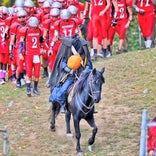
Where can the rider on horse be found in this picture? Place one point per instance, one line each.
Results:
(62, 75)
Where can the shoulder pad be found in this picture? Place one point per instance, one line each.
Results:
(23, 31)
(45, 17)
(57, 22)
(8, 21)
(13, 27)
(129, 3)
(46, 23)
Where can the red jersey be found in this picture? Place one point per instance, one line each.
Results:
(80, 6)
(97, 6)
(146, 5)
(50, 26)
(9, 21)
(32, 39)
(122, 9)
(2, 29)
(151, 140)
(66, 28)
(14, 30)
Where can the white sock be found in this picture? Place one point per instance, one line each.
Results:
(145, 43)
(148, 43)
(49, 75)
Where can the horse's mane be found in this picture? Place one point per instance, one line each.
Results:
(81, 82)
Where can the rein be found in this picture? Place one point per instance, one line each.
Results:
(90, 94)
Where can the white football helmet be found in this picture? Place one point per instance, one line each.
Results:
(19, 3)
(21, 12)
(57, 5)
(54, 12)
(65, 14)
(46, 4)
(33, 22)
(73, 9)
(29, 3)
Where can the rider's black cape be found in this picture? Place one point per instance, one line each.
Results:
(65, 52)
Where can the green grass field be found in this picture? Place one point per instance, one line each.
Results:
(130, 87)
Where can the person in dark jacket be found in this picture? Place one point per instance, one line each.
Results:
(62, 77)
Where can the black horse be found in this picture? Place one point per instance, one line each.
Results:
(85, 93)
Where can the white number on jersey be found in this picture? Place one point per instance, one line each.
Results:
(98, 2)
(34, 40)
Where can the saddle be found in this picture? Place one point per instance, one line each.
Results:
(70, 93)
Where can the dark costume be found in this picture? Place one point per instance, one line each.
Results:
(61, 77)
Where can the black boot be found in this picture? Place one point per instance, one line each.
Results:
(45, 72)
(35, 90)
(18, 83)
(28, 91)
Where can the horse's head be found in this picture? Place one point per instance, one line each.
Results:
(95, 81)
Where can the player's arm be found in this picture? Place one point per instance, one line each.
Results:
(115, 4)
(106, 8)
(11, 46)
(87, 7)
(138, 10)
(46, 27)
(129, 9)
(44, 43)
(21, 48)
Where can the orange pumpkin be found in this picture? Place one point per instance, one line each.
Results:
(74, 61)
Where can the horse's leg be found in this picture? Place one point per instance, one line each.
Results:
(52, 121)
(77, 133)
(67, 118)
(91, 140)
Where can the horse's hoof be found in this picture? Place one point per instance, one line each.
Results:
(69, 135)
(52, 129)
(90, 148)
(79, 153)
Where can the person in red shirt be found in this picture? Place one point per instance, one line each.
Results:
(66, 27)
(74, 14)
(31, 39)
(4, 57)
(16, 64)
(48, 34)
(146, 19)
(44, 57)
(151, 140)
(29, 7)
(98, 15)
(9, 21)
(123, 18)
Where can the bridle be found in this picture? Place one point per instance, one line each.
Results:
(78, 98)
(91, 86)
